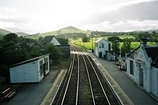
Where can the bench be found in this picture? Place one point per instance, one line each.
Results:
(7, 94)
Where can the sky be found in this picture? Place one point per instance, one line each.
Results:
(38, 16)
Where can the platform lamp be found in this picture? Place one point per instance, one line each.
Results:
(120, 51)
(92, 40)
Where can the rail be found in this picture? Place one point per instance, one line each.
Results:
(85, 84)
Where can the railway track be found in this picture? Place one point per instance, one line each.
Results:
(84, 84)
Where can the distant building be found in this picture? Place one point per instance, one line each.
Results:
(101, 45)
(103, 49)
(32, 70)
(142, 67)
(51, 39)
(65, 49)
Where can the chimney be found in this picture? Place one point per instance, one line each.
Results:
(143, 41)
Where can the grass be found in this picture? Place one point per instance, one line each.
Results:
(135, 45)
(88, 45)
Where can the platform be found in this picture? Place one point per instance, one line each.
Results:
(126, 89)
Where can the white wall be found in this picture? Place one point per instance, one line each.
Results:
(96, 52)
(27, 72)
(98, 49)
(54, 41)
(150, 74)
(128, 67)
(110, 57)
(154, 84)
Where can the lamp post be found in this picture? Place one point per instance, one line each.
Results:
(92, 41)
(120, 51)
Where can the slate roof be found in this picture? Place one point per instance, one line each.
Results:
(48, 39)
(29, 60)
(100, 40)
(152, 52)
(131, 54)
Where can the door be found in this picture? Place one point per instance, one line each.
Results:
(44, 69)
(100, 54)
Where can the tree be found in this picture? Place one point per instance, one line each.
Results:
(141, 35)
(13, 50)
(113, 38)
(10, 37)
(155, 37)
(35, 51)
(63, 41)
(115, 47)
(126, 47)
(55, 52)
(85, 39)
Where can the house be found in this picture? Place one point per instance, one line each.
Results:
(32, 70)
(101, 45)
(103, 49)
(51, 39)
(65, 49)
(61, 43)
(142, 67)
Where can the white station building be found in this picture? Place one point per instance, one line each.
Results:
(29, 71)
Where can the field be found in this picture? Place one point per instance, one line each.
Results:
(88, 45)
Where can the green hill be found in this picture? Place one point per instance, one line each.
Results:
(3, 32)
(22, 34)
(66, 30)
(70, 29)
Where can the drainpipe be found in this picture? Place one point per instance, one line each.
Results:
(143, 41)
(150, 71)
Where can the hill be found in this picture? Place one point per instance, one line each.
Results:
(65, 30)
(22, 34)
(3, 32)
(70, 29)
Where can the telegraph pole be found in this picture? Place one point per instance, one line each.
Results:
(92, 41)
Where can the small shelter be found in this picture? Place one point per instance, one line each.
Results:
(32, 70)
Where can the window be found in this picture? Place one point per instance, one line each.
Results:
(109, 47)
(99, 45)
(102, 45)
(157, 82)
(41, 67)
(45, 65)
(131, 67)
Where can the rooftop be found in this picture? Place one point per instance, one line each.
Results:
(29, 60)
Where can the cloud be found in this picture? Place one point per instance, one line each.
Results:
(132, 16)
(45, 16)
(140, 11)
(13, 20)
